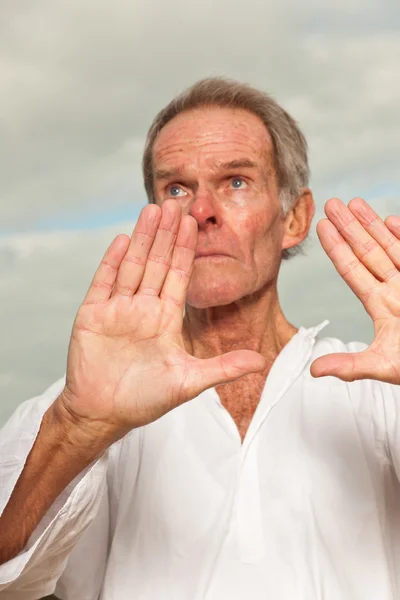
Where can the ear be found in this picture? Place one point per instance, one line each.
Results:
(297, 222)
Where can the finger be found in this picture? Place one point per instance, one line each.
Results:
(176, 284)
(209, 372)
(346, 366)
(106, 274)
(355, 274)
(133, 265)
(393, 224)
(365, 246)
(377, 229)
(160, 256)
(352, 366)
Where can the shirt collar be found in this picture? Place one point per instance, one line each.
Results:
(288, 365)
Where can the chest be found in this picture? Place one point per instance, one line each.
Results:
(241, 398)
(302, 505)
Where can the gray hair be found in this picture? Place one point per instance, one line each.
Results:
(289, 143)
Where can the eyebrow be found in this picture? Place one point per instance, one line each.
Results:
(241, 163)
(167, 173)
(231, 165)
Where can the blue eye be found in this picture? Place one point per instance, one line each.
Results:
(175, 191)
(238, 183)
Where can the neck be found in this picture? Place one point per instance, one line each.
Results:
(255, 322)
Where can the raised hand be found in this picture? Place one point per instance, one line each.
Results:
(127, 364)
(366, 253)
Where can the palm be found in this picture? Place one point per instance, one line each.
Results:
(366, 252)
(124, 342)
(127, 364)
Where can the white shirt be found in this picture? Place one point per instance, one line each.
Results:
(308, 508)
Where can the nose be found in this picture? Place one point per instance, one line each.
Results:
(203, 208)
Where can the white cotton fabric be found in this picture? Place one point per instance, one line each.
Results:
(307, 508)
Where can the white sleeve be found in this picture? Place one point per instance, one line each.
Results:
(387, 401)
(34, 572)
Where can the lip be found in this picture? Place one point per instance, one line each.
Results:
(200, 252)
(210, 255)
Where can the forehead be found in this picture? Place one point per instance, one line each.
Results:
(212, 134)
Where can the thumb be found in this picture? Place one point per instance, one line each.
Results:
(346, 366)
(209, 372)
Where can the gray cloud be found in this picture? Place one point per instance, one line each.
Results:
(45, 278)
(81, 82)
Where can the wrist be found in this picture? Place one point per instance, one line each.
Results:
(78, 436)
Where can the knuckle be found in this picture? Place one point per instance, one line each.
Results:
(368, 247)
(102, 285)
(390, 242)
(105, 263)
(391, 274)
(181, 272)
(134, 260)
(162, 260)
(168, 298)
(124, 290)
(146, 292)
(351, 267)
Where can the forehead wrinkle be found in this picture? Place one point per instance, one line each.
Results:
(208, 139)
(214, 165)
(197, 138)
(239, 153)
(197, 145)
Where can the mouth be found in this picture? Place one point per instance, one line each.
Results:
(210, 256)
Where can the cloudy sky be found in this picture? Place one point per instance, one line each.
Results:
(80, 82)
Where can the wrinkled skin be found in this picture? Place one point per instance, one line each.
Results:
(133, 356)
(231, 302)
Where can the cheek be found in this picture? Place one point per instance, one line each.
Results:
(265, 244)
(259, 229)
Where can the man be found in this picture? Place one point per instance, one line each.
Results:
(279, 479)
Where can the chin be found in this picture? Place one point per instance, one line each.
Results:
(207, 297)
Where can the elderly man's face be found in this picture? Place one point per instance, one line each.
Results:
(218, 164)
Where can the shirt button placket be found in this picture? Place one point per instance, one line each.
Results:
(249, 522)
